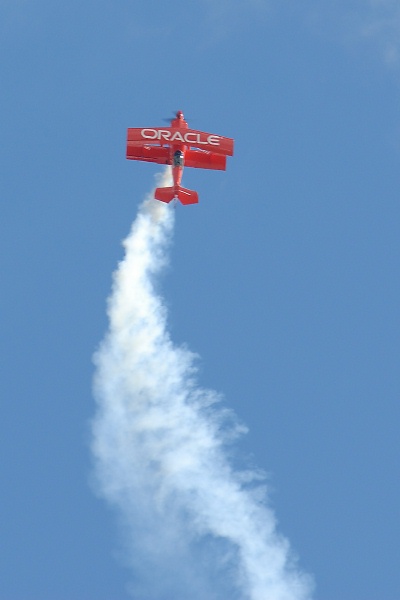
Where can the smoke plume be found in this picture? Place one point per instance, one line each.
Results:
(193, 526)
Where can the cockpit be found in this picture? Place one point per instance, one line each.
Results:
(178, 159)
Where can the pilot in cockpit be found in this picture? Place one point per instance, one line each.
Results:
(178, 158)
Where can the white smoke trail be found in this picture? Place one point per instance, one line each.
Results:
(194, 527)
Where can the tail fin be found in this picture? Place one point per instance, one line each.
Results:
(167, 194)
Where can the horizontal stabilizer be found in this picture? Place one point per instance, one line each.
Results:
(166, 194)
(187, 196)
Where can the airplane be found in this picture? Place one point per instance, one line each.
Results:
(180, 147)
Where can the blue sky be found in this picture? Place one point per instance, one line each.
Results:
(284, 278)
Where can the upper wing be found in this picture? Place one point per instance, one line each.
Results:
(217, 144)
(165, 136)
(205, 160)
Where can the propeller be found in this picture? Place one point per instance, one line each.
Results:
(174, 116)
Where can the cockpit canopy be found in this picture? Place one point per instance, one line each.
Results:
(178, 158)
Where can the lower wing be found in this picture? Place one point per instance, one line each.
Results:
(205, 160)
(155, 154)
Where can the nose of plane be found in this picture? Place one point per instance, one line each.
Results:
(179, 114)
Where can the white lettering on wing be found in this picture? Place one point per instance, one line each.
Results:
(191, 137)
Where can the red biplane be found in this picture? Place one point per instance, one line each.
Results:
(178, 146)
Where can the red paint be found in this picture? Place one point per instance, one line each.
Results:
(180, 147)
